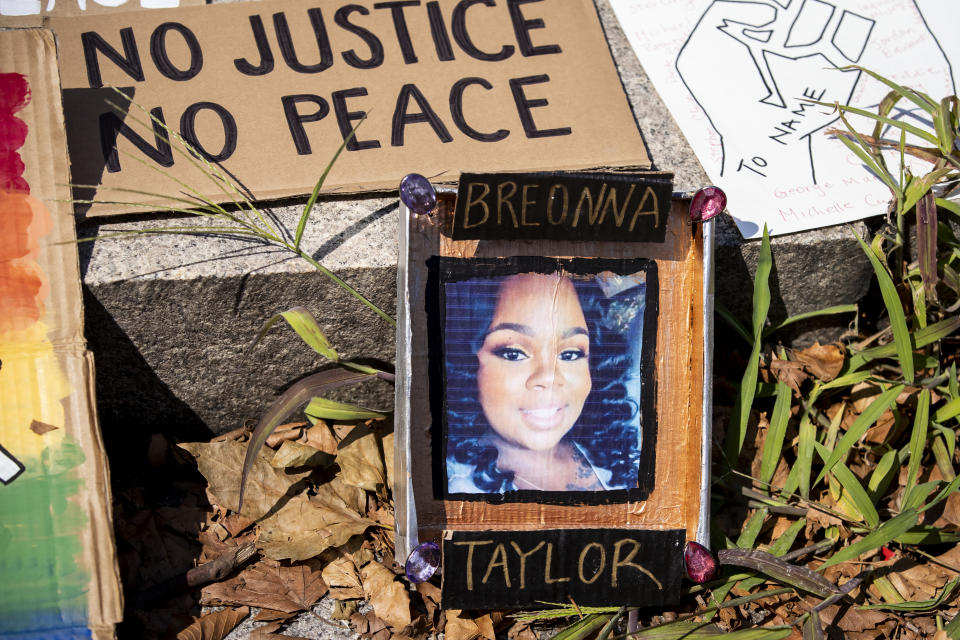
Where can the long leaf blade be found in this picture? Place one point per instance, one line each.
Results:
(302, 321)
(748, 385)
(294, 397)
(324, 409)
(898, 322)
(882, 535)
(859, 427)
(305, 216)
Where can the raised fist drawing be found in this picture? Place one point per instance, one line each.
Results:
(755, 67)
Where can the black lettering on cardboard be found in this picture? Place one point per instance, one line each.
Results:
(617, 207)
(158, 51)
(525, 105)
(263, 48)
(111, 126)
(470, 544)
(551, 198)
(498, 559)
(472, 201)
(594, 567)
(523, 560)
(522, 27)
(295, 119)
(341, 17)
(592, 211)
(129, 61)
(401, 118)
(626, 562)
(462, 37)
(400, 26)
(505, 200)
(346, 118)
(456, 111)
(548, 566)
(289, 53)
(188, 129)
(598, 565)
(438, 31)
(650, 199)
(526, 203)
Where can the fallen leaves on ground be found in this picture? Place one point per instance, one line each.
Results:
(214, 626)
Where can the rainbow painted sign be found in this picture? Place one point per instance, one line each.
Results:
(57, 558)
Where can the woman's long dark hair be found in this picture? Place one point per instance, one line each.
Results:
(606, 429)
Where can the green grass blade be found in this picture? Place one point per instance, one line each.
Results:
(773, 445)
(882, 535)
(777, 548)
(919, 606)
(918, 438)
(851, 484)
(302, 321)
(807, 440)
(916, 98)
(323, 409)
(949, 205)
(898, 323)
(859, 427)
(944, 493)
(869, 161)
(927, 534)
(882, 475)
(748, 385)
(828, 311)
(305, 216)
(949, 410)
(584, 628)
(921, 338)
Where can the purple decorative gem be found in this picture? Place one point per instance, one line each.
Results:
(698, 562)
(417, 193)
(423, 561)
(707, 203)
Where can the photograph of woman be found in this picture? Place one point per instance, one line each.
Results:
(544, 380)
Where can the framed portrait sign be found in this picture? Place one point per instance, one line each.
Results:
(552, 421)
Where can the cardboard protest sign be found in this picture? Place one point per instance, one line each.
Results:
(30, 13)
(57, 555)
(270, 89)
(557, 383)
(741, 79)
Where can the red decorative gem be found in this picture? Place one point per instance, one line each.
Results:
(698, 562)
(707, 203)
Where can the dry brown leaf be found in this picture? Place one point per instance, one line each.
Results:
(388, 597)
(788, 372)
(41, 428)
(306, 526)
(458, 627)
(285, 432)
(485, 624)
(269, 585)
(521, 631)
(878, 433)
(387, 443)
(295, 454)
(214, 626)
(320, 437)
(823, 361)
(359, 458)
(370, 626)
(221, 464)
(342, 578)
(344, 609)
(852, 619)
(272, 615)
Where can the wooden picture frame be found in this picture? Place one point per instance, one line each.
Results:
(670, 497)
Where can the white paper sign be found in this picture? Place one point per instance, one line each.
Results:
(738, 77)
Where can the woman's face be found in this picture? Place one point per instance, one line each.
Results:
(533, 375)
